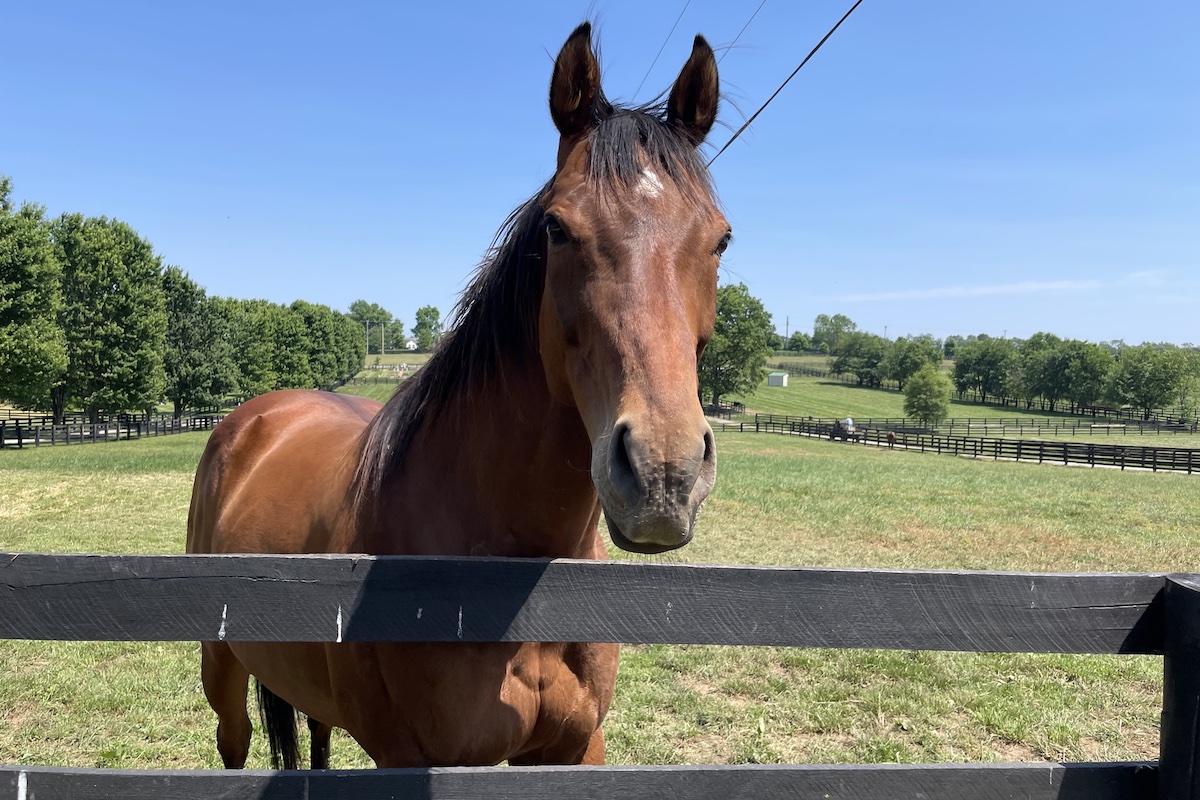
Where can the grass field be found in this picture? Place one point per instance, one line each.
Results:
(779, 500)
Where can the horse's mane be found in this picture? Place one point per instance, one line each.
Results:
(495, 320)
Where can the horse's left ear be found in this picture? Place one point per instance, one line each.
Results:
(697, 91)
(575, 84)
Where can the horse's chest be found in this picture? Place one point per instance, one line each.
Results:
(481, 704)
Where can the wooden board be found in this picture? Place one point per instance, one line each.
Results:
(347, 598)
(827, 782)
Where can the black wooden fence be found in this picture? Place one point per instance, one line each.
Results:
(1093, 454)
(20, 433)
(362, 598)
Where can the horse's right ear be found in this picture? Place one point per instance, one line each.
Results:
(575, 84)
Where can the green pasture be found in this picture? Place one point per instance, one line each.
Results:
(396, 359)
(823, 398)
(779, 500)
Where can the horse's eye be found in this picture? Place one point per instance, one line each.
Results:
(723, 245)
(554, 230)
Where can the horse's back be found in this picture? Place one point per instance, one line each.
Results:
(275, 473)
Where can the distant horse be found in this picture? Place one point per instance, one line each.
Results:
(566, 387)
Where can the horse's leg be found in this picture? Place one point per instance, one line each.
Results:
(594, 755)
(319, 732)
(226, 683)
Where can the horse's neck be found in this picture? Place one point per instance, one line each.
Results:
(504, 472)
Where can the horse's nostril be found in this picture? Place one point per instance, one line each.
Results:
(621, 466)
(710, 447)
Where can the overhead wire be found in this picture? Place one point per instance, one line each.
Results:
(664, 45)
(811, 53)
(743, 30)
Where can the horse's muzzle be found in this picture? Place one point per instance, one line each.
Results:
(652, 487)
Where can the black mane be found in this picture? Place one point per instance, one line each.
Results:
(495, 320)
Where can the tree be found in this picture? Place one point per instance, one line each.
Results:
(1146, 377)
(290, 349)
(828, 331)
(800, 341)
(371, 317)
(1088, 366)
(428, 328)
(113, 317)
(734, 359)
(984, 365)
(927, 396)
(324, 359)
(860, 354)
(248, 326)
(908, 354)
(1040, 369)
(33, 352)
(197, 357)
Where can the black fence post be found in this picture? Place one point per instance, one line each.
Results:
(1179, 743)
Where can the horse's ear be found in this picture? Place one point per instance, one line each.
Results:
(575, 84)
(693, 104)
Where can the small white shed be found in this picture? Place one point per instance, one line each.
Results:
(777, 379)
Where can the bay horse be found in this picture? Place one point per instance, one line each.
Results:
(566, 387)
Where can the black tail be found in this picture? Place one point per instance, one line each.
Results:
(279, 721)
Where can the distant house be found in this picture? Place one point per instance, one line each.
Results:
(777, 379)
(411, 344)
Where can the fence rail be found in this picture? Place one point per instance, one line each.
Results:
(13, 434)
(1156, 459)
(155, 598)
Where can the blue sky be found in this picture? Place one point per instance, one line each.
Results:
(940, 167)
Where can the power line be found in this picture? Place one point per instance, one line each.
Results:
(660, 50)
(811, 53)
(743, 30)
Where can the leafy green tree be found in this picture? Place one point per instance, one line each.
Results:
(950, 345)
(371, 317)
(984, 365)
(1040, 369)
(1088, 366)
(908, 354)
(290, 349)
(323, 351)
(428, 328)
(248, 326)
(799, 341)
(33, 352)
(396, 338)
(861, 354)
(198, 354)
(927, 396)
(113, 316)
(1146, 377)
(828, 332)
(351, 350)
(734, 360)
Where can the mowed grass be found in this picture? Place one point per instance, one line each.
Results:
(779, 500)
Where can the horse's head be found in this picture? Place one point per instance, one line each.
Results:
(634, 239)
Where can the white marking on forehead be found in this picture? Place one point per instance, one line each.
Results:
(649, 184)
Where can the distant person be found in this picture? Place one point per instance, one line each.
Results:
(849, 424)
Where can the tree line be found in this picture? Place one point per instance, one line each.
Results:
(92, 318)
(1044, 369)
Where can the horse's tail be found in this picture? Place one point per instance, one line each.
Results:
(279, 721)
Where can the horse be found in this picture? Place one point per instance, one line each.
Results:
(566, 387)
